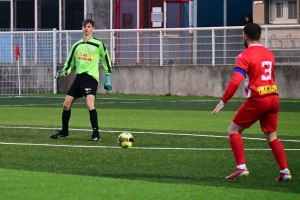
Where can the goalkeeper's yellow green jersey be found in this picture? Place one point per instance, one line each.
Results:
(85, 56)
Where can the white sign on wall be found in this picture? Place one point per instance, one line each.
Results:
(156, 17)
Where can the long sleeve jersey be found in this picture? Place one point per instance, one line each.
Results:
(86, 55)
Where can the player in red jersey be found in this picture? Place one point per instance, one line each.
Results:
(255, 66)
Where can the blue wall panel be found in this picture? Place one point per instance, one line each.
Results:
(210, 13)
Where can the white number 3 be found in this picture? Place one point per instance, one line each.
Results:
(268, 70)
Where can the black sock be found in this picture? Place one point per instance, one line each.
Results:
(94, 121)
(65, 120)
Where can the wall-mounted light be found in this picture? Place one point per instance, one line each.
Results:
(258, 2)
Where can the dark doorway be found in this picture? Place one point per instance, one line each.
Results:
(5, 14)
(25, 14)
(73, 14)
(49, 14)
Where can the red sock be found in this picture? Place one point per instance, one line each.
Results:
(237, 147)
(279, 154)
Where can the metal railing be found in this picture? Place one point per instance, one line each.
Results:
(41, 51)
(188, 46)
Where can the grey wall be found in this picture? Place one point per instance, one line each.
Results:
(100, 11)
(185, 80)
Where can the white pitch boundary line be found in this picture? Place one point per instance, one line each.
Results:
(135, 99)
(126, 99)
(142, 132)
(138, 148)
(54, 104)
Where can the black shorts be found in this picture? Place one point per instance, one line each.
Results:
(83, 85)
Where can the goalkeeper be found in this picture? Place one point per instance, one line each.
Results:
(85, 55)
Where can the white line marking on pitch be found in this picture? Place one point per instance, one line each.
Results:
(136, 99)
(125, 99)
(54, 104)
(139, 148)
(143, 132)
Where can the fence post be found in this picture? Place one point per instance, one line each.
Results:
(137, 47)
(112, 46)
(266, 37)
(225, 46)
(213, 47)
(35, 47)
(54, 61)
(24, 49)
(195, 44)
(67, 44)
(60, 47)
(161, 61)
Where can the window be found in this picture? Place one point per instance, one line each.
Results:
(279, 10)
(292, 10)
(282, 11)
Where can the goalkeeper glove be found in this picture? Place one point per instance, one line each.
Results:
(60, 73)
(107, 84)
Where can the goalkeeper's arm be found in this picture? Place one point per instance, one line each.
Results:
(106, 62)
(70, 62)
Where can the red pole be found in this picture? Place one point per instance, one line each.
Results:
(17, 52)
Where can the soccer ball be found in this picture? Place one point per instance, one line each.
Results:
(125, 140)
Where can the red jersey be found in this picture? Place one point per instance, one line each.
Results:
(258, 62)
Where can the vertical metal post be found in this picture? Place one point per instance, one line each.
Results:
(60, 47)
(165, 14)
(35, 15)
(195, 44)
(195, 34)
(111, 44)
(225, 45)
(19, 76)
(112, 34)
(266, 37)
(85, 9)
(24, 49)
(12, 29)
(11, 15)
(67, 44)
(225, 13)
(225, 30)
(113, 47)
(161, 61)
(54, 61)
(138, 34)
(191, 5)
(137, 47)
(60, 29)
(111, 14)
(213, 47)
(35, 29)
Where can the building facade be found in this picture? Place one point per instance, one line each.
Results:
(276, 11)
(41, 14)
(222, 12)
(67, 14)
(119, 14)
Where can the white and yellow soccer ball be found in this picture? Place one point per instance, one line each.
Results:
(125, 140)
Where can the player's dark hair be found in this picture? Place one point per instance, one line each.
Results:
(253, 31)
(85, 22)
